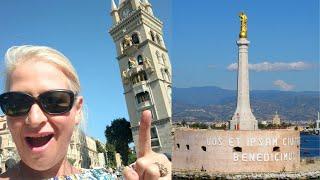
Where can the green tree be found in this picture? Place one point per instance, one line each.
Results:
(132, 157)
(111, 155)
(119, 134)
(100, 148)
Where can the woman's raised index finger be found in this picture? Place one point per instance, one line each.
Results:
(145, 134)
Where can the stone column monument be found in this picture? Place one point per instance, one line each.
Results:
(243, 119)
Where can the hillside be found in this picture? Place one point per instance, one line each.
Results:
(214, 103)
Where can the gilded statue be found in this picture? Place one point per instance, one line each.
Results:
(133, 62)
(243, 29)
(125, 77)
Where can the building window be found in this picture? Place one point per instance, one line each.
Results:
(141, 76)
(163, 75)
(140, 60)
(129, 65)
(143, 97)
(159, 57)
(167, 74)
(135, 38)
(164, 59)
(178, 145)
(237, 149)
(276, 149)
(158, 39)
(152, 36)
(155, 142)
(123, 45)
(188, 147)
(203, 148)
(154, 133)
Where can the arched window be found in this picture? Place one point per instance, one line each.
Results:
(164, 59)
(140, 60)
(129, 65)
(164, 76)
(123, 45)
(142, 97)
(167, 75)
(152, 36)
(159, 57)
(135, 38)
(158, 39)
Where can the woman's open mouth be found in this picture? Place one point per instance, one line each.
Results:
(39, 142)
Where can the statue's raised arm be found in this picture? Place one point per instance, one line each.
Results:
(243, 28)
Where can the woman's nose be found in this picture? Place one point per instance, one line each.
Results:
(36, 116)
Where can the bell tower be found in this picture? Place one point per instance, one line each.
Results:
(145, 68)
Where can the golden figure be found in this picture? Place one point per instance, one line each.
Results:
(125, 77)
(133, 62)
(243, 29)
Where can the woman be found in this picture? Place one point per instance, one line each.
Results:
(43, 106)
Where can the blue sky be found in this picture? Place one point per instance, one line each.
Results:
(200, 36)
(283, 34)
(79, 29)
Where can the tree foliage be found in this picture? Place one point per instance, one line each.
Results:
(199, 125)
(100, 148)
(132, 157)
(111, 155)
(119, 134)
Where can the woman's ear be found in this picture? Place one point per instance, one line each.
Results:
(79, 112)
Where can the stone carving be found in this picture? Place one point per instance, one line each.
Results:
(125, 77)
(127, 42)
(243, 29)
(133, 62)
(147, 64)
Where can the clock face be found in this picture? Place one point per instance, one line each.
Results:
(125, 13)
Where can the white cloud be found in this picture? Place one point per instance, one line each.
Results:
(283, 85)
(233, 67)
(277, 66)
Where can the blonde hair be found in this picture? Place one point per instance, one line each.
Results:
(17, 55)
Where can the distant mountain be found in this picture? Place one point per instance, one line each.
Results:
(215, 104)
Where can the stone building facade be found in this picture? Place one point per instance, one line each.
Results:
(8, 149)
(145, 68)
(82, 152)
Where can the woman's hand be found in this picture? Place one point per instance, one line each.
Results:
(149, 165)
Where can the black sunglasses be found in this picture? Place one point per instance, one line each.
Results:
(53, 102)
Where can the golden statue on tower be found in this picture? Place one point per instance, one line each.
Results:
(243, 29)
